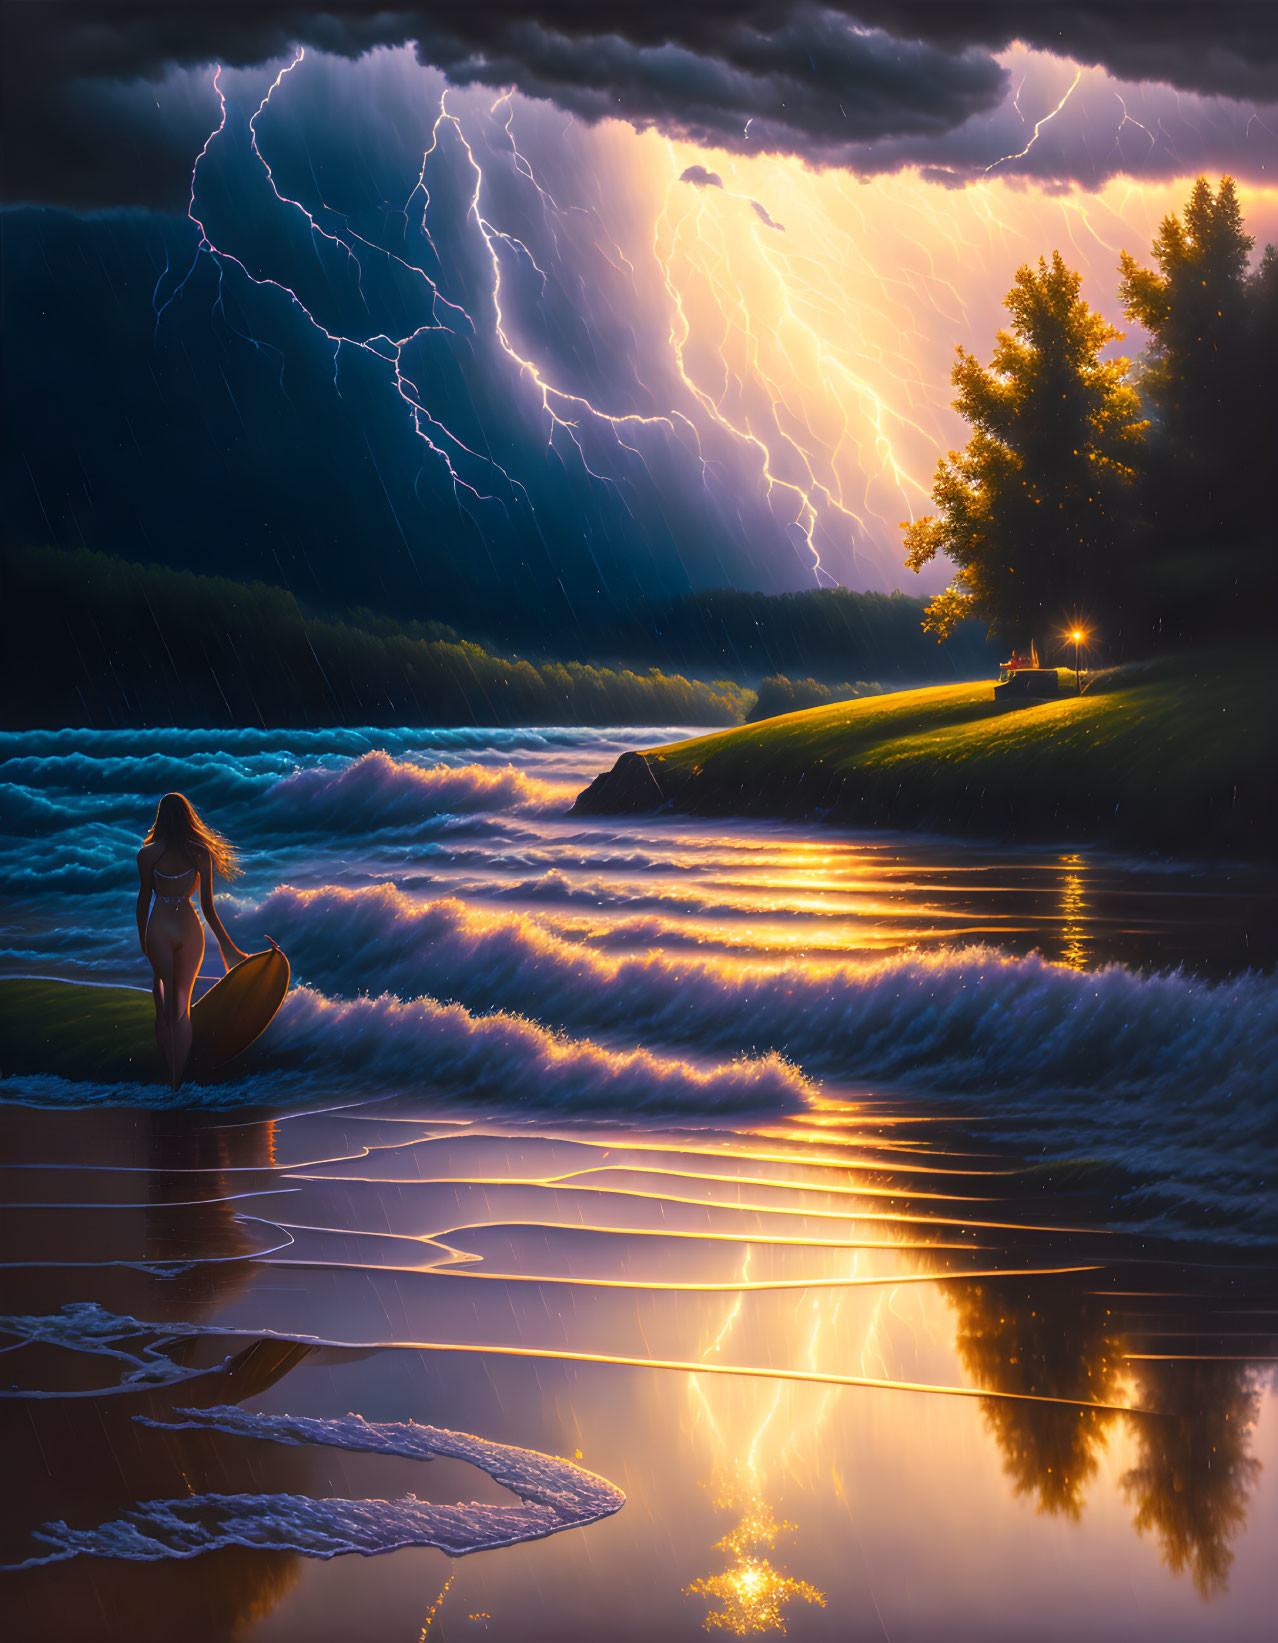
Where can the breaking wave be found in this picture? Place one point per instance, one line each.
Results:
(420, 1041)
(388, 1043)
(376, 791)
(1165, 1070)
(965, 1018)
(554, 1495)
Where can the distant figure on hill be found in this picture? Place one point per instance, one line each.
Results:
(1016, 661)
(179, 853)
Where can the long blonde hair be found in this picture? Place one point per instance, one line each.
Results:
(178, 827)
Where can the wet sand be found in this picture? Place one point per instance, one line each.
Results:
(855, 1370)
(862, 1358)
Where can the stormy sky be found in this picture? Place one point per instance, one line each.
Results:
(506, 316)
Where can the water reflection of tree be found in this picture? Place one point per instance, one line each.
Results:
(1044, 1339)
(1193, 1474)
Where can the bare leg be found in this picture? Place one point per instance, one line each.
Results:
(162, 1039)
(187, 959)
(175, 946)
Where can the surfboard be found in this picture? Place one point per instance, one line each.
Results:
(238, 1008)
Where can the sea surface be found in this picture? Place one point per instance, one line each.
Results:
(632, 1227)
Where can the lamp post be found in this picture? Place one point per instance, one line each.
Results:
(1077, 637)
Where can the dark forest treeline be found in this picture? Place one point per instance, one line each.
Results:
(830, 633)
(778, 694)
(92, 640)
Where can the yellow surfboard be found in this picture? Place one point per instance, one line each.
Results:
(238, 1008)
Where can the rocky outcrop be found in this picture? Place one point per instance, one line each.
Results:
(632, 785)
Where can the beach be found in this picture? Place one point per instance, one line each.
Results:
(862, 1232)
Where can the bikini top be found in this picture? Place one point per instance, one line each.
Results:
(174, 898)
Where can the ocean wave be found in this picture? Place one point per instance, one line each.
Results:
(1164, 1067)
(969, 1016)
(78, 777)
(505, 1057)
(50, 792)
(376, 791)
(554, 1495)
(134, 744)
(317, 1043)
(558, 888)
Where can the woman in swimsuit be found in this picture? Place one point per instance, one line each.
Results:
(179, 853)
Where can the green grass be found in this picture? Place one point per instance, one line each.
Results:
(1177, 755)
(77, 1031)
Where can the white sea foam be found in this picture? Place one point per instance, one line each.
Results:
(419, 1042)
(1167, 1073)
(554, 1495)
(964, 1018)
(376, 791)
(141, 1349)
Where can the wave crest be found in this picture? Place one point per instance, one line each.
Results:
(1165, 1072)
(963, 1017)
(376, 791)
(420, 1042)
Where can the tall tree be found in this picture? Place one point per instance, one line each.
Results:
(1032, 512)
(1208, 380)
(1194, 308)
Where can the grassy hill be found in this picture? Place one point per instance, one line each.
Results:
(1174, 755)
(78, 1031)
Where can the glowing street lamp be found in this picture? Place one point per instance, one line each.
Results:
(1077, 635)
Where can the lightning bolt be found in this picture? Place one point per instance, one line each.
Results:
(808, 363)
(800, 364)
(1039, 126)
(1130, 120)
(549, 394)
(563, 409)
(381, 347)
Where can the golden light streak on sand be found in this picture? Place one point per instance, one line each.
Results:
(976, 1225)
(805, 1158)
(691, 1287)
(684, 1366)
(752, 1181)
(693, 1236)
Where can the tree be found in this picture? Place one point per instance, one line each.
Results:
(1208, 380)
(1194, 309)
(1032, 512)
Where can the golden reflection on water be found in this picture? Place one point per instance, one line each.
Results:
(1063, 1398)
(753, 1593)
(1075, 943)
(801, 897)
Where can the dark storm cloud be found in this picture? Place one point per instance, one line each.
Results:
(700, 177)
(1224, 48)
(799, 76)
(826, 82)
(766, 217)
